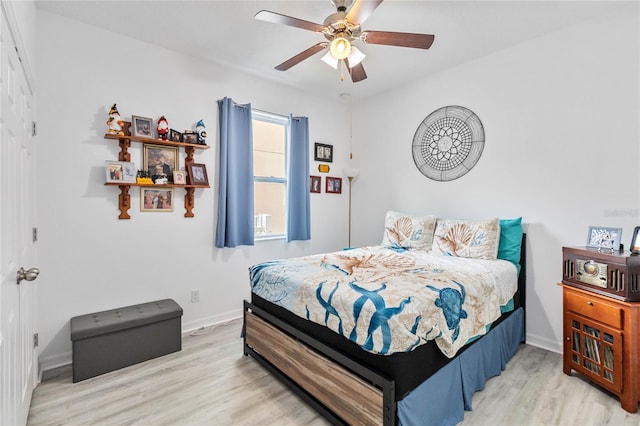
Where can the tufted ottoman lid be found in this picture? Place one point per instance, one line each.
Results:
(113, 320)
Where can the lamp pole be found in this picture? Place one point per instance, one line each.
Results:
(350, 179)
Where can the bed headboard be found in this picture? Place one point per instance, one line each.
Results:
(520, 298)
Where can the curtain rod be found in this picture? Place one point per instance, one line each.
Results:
(258, 110)
(268, 112)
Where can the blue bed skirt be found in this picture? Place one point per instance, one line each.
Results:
(442, 399)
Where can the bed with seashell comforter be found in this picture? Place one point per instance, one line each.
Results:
(400, 333)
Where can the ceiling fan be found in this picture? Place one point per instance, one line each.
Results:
(341, 29)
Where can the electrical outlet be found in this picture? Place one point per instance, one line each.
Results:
(195, 296)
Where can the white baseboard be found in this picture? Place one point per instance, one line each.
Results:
(53, 361)
(60, 360)
(541, 342)
(212, 320)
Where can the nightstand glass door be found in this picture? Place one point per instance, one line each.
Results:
(596, 351)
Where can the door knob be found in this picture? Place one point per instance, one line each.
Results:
(29, 275)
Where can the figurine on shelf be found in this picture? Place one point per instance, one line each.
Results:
(163, 128)
(161, 180)
(114, 122)
(202, 132)
(143, 177)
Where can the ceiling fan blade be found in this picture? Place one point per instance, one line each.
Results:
(361, 10)
(277, 18)
(302, 56)
(390, 38)
(357, 73)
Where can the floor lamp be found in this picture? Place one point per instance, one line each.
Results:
(351, 174)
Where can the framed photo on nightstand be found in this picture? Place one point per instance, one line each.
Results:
(601, 237)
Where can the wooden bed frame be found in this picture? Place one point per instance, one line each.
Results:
(340, 389)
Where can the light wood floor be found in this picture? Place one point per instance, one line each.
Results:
(210, 382)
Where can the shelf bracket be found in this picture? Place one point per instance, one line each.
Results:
(124, 154)
(189, 202)
(124, 202)
(189, 151)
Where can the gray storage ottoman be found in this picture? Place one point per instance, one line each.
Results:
(109, 340)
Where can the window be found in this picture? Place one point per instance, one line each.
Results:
(270, 133)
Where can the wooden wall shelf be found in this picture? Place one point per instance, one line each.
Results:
(155, 141)
(156, 185)
(124, 199)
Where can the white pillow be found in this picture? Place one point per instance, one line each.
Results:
(408, 231)
(477, 239)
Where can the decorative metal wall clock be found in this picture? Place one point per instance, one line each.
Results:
(448, 143)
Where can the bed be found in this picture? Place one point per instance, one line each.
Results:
(358, 368)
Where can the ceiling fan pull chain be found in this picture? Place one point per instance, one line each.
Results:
(342, 70)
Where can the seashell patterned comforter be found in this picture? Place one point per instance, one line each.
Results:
(390, 300)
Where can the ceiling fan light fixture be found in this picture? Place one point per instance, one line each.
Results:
(330, 60)
(340, 48)
(356, 56)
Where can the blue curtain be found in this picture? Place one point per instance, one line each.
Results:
(299, 210)
(235, 179)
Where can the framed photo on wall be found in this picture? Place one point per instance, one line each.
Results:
(141, 126)
(315, 185)
(120, 171)
(198, 174)
(156, 200)
(603, 237)
(334, 185)
(323, 152)
(160, 160)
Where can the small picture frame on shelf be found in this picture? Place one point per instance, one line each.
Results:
(141, 126)
(175, 136)
(156, 200)
(180, 177)
(198, 174)
(323, 152)
(602, 237)
(315, 184)
(120, 172)
(159, 160)
(333, 185)
(190, 138)
(634, 247)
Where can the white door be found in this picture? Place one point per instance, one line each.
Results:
(18, 354)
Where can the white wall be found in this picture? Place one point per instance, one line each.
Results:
(561, 118)
(92, 261)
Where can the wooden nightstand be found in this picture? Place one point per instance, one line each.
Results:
(602, 342)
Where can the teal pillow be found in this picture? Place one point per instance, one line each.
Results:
(510, 240)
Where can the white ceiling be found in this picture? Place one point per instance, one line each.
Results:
(226, 32)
